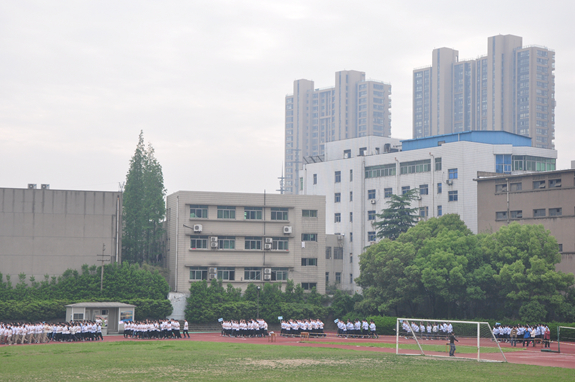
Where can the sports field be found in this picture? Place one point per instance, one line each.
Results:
(210, 357)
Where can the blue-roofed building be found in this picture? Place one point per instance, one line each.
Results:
(488, 137)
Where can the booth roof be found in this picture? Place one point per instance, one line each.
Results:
(100, 305)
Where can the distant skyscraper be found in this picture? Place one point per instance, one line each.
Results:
(353, 108)
(510, 89)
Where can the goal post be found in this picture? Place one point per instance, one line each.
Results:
(431, 338)
(565, 336)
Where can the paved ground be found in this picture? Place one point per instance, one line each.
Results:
(527, 356)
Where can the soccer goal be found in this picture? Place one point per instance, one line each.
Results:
(431, 338)
(565, 337)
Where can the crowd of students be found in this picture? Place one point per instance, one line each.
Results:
(431, 331)
(293, 328)
(156, 329)
(245, 328)
(357, 329)
(40, 332)
(523, 334)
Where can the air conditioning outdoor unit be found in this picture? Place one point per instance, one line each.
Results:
(287, 229)
(214, 244)
(32, 186)
(212, 273)
(269, 240)
(267, 273)
(339, 237)
(373, 201)
(197, 228)
(45, 186)
(418, 197)
(449, 182)
(267, 246)
(214, 239)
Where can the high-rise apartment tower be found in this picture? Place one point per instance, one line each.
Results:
(354, 107)
(512, 89)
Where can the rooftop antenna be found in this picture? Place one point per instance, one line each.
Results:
(282, 181)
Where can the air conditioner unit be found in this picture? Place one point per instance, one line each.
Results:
(197, 228)
(373, 201)
(267, 246)
(45, 186)
(32, 186)
(267, 271)
(269, 240)
(214, 239)
(418, 197)
(346, 156)
(214, 244)
(449, 182)
(339, 237)
(287, 229)
(212, 273)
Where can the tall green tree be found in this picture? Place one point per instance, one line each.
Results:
(398, 217)
(143, 207)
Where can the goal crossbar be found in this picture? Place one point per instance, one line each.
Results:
(412, 334)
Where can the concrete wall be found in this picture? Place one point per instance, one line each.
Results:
(45, 231)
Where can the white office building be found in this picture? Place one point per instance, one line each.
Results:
(358, 175)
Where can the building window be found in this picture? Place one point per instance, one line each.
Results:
(77, 316)
(280, 243)
(538, 213)
(338, 253)
(515, 187)
(337, 197)
(350, 258)
(309, 237)
(279, 213)
(337, 217)
(452, 173)
(225, 273)
(347, 154)
(351, 196)
(439, 188)
(301, 183)
(538, 184)
(380, 171)
(503, 163)
(308, 262)
(199, 242)
(423, 189)
(351, 237)
(314, 178)
(554, 183)
(351, 217)
(555, 211)
(560, 247)
(338, 277)
(453, 196)
(437, 164)
(253, 242)
(517, 214)
(351, 175)
(500, 188)
(338, 176)
(198, 212)
(387, 192)
(501, 215)
(279, 274)
(371, 215)
(370, 194)
(328, 253)
(226, 212)
(404, 190)
(252, 273)
(415, 166)
(439, 210)
(371, 236)
(424, 212)
(308, 286)
(199, 273)
(326, 278)
(309, 213)
(362, 151)
(351, 278)
(253, 213)
(227, 242)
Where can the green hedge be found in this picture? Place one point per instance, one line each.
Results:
(44, 310)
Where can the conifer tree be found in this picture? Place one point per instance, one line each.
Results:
(398, 217)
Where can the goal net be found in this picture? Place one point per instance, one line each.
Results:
(475, 340)
(565, 339)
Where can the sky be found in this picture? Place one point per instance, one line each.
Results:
(206, 80)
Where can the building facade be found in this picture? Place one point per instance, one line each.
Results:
(536, 198)
(245, 238)
(512, 89)
(45, 232)
(359, 175)
(354, 107)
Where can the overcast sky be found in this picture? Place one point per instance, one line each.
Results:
(206, 80)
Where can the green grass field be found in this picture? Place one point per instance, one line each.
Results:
(205, 361)
(461, 349)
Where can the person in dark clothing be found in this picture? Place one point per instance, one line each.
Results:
(452, 340)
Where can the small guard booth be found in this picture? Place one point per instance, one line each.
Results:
(108, 313)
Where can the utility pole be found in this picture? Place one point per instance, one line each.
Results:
(102, 259)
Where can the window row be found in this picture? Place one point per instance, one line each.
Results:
(537, 213)
(229, 273)
(250, 213)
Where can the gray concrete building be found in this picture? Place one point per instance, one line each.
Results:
(245, 238)
(512, 88)
(354, 107)
(546, 198)
(45, 232)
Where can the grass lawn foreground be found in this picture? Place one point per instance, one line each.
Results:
(208, 361)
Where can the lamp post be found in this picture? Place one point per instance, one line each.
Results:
(258, 311)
